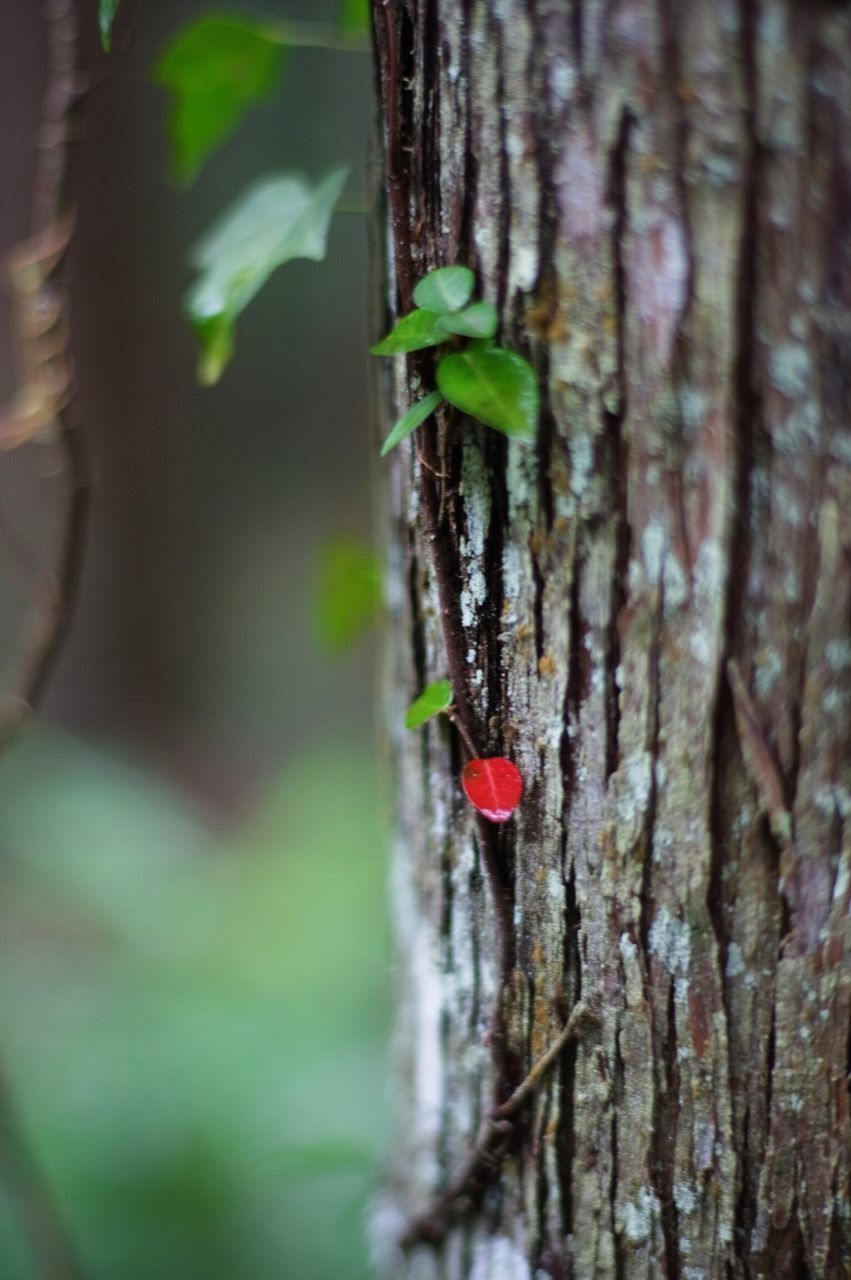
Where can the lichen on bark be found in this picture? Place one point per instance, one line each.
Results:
(649, 612)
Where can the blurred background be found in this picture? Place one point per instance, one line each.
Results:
(194, 965)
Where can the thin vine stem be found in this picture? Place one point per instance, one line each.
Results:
(317, 35)
(463, 733)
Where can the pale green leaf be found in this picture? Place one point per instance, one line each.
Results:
(496, 386)
(278, 218)
(434, 699)
(447, 289)
(106, 17)
(412, 333)
(478, 320)
(409, 421)
(215, 69)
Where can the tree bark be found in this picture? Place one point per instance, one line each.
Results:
(648, 611)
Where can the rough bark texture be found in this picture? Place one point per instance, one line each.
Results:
(649, 612)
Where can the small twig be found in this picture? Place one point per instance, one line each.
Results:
(524, 1091)
(760, 759)
(441, 475)
(482, 1164)
(56, 593)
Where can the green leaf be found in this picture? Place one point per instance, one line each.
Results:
(409, 421)
(412, 333)
(106, 17)
(215, 69)
(478, 320)
(354, 15)
(276, 219)
(350, 593)
(434, 698)
(496, 386)
(447, 289)
(215, 335)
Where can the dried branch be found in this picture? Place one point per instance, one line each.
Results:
(38, 264)
(46, 398)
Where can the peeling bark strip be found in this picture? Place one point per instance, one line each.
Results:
(650, 613)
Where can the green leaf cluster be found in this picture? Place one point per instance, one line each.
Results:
(220, 65)
(215, 69)
(496, 386)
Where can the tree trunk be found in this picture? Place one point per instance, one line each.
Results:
(648, 611)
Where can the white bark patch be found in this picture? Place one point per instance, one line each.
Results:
(791, 369)
(580, 197)
(498, 1258)
(659, 279)
(638, 1216)
(735, 960)
(670, 942)
(428, 1072)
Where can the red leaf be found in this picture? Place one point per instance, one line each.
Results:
(493, 786)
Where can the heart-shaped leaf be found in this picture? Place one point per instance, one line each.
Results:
(493, 786)
(412, 333)
(496, 386)
(411, 420)
(478, 320)
(434, 699)
(106, 16)
(278, 218)
(444, 290)
(215, 69)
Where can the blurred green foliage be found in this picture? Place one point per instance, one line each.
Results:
(195, 1028)
(349, 593)
(107, 10)
(355, 15)
(215, 69)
